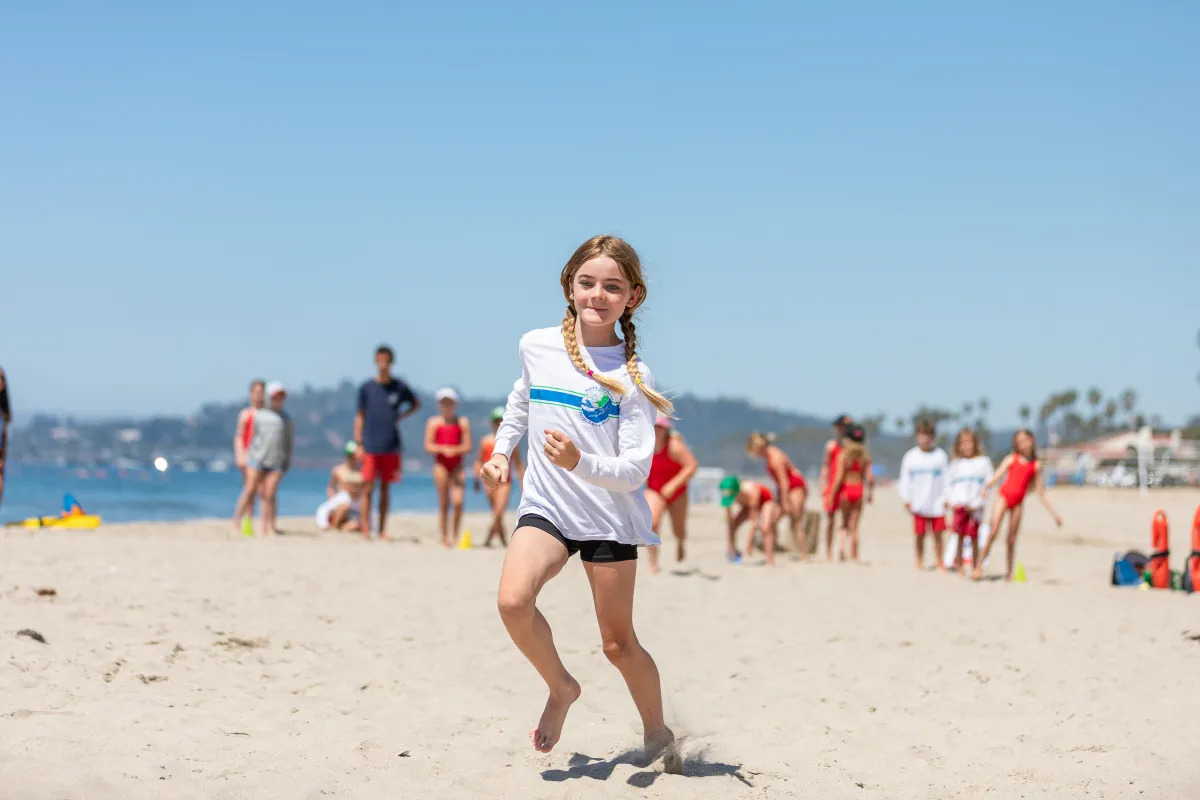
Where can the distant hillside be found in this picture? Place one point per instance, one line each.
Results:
(716, 430)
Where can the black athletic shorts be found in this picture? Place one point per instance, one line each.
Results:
(599, 551)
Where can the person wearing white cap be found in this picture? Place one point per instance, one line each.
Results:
(448, 439)
(268, 457)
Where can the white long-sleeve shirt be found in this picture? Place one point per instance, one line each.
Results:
(923, 481)
(600, 498)
(965, 478)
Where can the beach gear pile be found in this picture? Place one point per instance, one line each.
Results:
(1154, 571)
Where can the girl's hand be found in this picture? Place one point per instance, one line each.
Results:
(561, 451)
(495, 471)
(1058, 521)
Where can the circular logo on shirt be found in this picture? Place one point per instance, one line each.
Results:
(596, 406)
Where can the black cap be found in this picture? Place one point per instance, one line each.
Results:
(855, 433)
(841, 419)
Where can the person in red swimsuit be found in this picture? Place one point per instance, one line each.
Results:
(243, 434)
(1020, 469)
(756, 504)
(666, 487)
(448, 439)
(499, 496)
(791, 488)
(828, 499)
(851, 474)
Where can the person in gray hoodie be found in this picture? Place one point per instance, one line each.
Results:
(268, 458)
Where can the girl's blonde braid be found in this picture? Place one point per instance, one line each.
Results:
(629, 331)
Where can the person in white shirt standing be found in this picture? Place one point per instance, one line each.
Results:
(965, 477)
(588, 405)
(922, 488)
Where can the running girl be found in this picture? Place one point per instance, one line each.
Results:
(851, 472)
(448, 439)
(755, 504)
(1020, 468)
(666, 488)
(829, 500)
(792, 489)
(499, 496)
(965, 477)
(243, 432)
(588, 405)
(922, 488)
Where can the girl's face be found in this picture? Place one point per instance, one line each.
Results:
(968, 447)
(601, 293)
(1025, 445)
(256, 395)
(447, 407)
(277, 400)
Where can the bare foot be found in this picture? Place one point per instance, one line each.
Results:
(976, 574)
(662, 743)
(549, 727)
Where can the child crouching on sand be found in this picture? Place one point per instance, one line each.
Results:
(757, 505)
(922, 488)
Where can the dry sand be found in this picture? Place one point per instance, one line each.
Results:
(182, 663)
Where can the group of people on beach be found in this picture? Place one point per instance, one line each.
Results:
(935, 487)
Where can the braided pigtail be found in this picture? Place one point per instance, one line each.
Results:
(629, 331)
(614, 386)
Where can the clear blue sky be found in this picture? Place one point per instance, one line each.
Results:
(859, 207)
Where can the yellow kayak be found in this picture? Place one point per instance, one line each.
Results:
(74, 522)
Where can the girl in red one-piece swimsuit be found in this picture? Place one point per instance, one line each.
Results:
(790, 485)
(1020, 469)
(448, 439)
(667, 487)
(851, 473)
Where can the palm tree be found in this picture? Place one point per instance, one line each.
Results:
(1024, 413)
(1110, 413)
(899, 423)
(984, 405)
(1094, 398)
(1128, 402)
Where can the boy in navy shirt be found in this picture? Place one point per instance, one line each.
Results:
(377, 434)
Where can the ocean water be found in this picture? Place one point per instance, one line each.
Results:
(138, 495)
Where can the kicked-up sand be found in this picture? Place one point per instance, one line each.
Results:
(182, 662)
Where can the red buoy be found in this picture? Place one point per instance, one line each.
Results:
(1160, 558)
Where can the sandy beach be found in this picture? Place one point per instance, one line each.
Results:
(181, 662)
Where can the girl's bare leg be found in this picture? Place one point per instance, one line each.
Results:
(769, 520)
(457, 484)
(959, 561)
(1014, 527)
(678, 511)
(938, 543)
(441, 482)
(797, 500)
(920, 546)
(612, 592)
(246, 498)
(980, 557)
(829, 535)
(731, 533)
(657, 506)
(498, 497)
(270, 502)
(855, 515)
(533, 558)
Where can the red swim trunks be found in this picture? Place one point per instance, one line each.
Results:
(851, 493)
(920, 524)
(965, 522)
(381, 466)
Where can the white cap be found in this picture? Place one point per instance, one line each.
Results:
(274, 388)
(445, 394)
